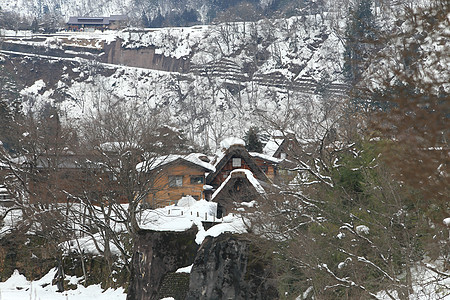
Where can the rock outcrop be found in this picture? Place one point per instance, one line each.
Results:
(156, 254)
(225, 268)
(143, 58)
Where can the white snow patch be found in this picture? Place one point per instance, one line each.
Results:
(34, 89)
(18, 287)
(231, 223)
(249, 204)
(426, 283)
(187, 201)
(446, 221)
(362, 229)
(272, 146)
(340, 235)
(185, 269)
(230, 141)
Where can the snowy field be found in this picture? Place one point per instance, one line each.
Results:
(18, 287)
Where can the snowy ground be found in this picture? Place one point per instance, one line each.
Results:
(426, 287)
(18, 287)
(427, 284)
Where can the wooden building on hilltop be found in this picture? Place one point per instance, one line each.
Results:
(113, 22)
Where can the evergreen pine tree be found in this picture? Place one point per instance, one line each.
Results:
(157, 21)
(252, 141)
(34, 26)
(360, 39)
(144, 20)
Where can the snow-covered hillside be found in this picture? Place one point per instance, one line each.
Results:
(239, 73)
(233, 74)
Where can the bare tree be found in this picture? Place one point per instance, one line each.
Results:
(114, 190)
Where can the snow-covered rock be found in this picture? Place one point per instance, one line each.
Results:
(446, 221)
(362, 229)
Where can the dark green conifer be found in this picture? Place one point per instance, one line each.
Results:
(252, 141)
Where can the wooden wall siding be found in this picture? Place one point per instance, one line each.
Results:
(164, 195)
(266, 167)
(226, 170)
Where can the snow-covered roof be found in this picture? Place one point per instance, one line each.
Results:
(272, 146)
(188, 213)
(253, 181)
(160, 161)
(266, 157)
(230, 141)
(95, 20)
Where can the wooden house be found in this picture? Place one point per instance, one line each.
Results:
(63, 177)
(240, 187)
(176, 176)
(234, 157)
(268, 164)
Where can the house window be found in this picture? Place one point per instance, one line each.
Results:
(236, 162)
(197, 180)
(237, 186)
(175, 181)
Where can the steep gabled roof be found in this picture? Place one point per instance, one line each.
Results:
(273, 146)
(280, 143)
(241, 173)
(265, 157)
(237, 151)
